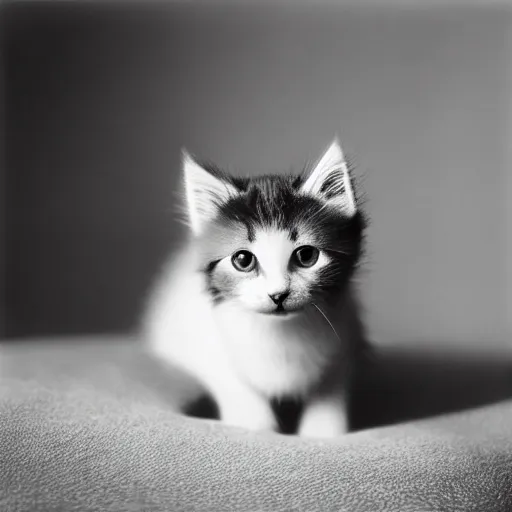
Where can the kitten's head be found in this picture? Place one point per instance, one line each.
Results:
(275, 244)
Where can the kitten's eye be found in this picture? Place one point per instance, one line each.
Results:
(306, 256)
(244, 261)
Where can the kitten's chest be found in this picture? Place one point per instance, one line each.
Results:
(278, 360)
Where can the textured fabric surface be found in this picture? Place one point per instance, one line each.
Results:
(93, 426)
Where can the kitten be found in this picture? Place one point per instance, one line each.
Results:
(259, 303)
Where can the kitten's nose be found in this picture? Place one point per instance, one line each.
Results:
(278, 298)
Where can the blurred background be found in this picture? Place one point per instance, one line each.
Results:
(98, 99)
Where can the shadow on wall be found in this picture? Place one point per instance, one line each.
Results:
(403, 385)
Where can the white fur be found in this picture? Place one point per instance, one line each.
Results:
(273, 248)
(243, 358)
(272, 354)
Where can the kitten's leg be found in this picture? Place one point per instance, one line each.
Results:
(325, 415)
(241, 406)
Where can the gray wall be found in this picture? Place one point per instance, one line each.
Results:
(100, 100)
(2, 198)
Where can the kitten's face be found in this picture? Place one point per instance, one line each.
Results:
(275, 244)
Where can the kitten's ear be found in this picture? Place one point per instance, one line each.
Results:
(204, 192)
(330, 181)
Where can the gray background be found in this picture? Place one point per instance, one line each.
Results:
(99, 100)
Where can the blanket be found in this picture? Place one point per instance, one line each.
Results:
(95, 425)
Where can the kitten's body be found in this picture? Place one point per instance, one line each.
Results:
(219, 324)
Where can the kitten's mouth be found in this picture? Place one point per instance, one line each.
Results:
(280, 311)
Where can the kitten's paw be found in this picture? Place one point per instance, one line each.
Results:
(249, 412)
(323, 420)
(323, 430)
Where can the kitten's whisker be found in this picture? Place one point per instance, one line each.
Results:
(339, 252)
(328, 321)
